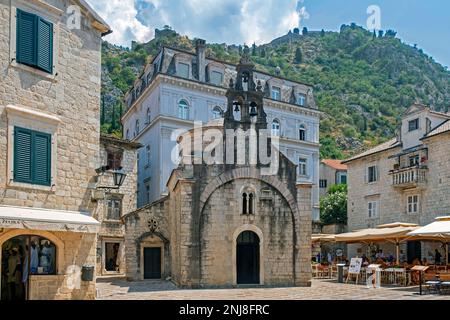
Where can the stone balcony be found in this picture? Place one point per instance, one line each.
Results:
(407, 178)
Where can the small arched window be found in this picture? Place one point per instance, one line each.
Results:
(248, 202)
(302, 132)
(183, 110)
(275, 128)
(127, 135)
(217, 112)
(148, 116)
(136, 128)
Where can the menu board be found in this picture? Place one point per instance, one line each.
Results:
(355, 266)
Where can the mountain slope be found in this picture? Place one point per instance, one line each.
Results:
(363, 82)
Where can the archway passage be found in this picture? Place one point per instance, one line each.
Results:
(247, 258)
(23, 256)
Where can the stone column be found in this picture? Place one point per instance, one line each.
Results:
(303, 236)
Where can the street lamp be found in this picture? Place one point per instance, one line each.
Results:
(118, 177)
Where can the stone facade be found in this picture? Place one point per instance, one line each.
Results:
(153, 116)
(64, 104)
(399, 179)
(198, 225)
(112, 230)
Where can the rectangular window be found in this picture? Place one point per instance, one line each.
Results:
(413, 204)
(32, 157)
(276, 93)
(183, 70)
(414, 160)
(216, 78)
(302, 167)
(373, 209)
(413, 125)
(323, 183)
(372, 174)
(115, 160)
(114, 209)
(34, 43)
(147, 192)
(301, 100)
(342, 178)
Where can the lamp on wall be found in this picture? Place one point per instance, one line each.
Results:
(118, 177)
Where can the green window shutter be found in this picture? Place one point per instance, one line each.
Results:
(26, 38)
(41, 158)
(45, 45)
(22, 155)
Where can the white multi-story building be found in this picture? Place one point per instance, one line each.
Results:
(180, 87)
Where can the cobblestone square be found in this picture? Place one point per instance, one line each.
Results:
(116, 289)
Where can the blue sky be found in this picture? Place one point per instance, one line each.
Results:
(425, 23)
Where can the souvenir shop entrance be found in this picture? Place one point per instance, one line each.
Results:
(21, 257)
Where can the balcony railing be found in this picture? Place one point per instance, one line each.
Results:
(409, 177)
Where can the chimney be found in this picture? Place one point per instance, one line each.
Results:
(200, 46)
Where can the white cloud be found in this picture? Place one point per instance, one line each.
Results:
(231, 21)
(121, 15)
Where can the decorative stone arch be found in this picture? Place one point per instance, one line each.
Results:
(59, 244)
(259, 233)
(247, 173)
(161, 242)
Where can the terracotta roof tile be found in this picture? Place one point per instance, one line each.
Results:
(335, 164)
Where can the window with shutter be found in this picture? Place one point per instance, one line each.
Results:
(34, 45)
(32, 157)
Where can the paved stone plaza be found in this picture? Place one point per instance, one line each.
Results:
(115, 289)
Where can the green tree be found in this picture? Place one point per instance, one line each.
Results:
(254, 49)
(298, 56)
(305, 31)
(333, 207)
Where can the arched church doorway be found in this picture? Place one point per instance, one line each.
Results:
(247, 258)
(21, 257)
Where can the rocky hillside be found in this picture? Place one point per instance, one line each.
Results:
(363, 81)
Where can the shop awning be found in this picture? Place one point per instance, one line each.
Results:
(322, 238)
(393, 232)
(47, 219)
(438, 229)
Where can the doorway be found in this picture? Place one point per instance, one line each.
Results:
(152, 263)
(414, 251)
(23, 256)
(247, 258)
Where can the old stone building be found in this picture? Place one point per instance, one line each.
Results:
(405, 179)
(113, 203)
(178, 88)
(49, 145)
(332, 172)
(225, 223)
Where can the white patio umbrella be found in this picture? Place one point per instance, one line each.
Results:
(440, 229)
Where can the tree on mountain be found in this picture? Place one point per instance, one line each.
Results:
(263, 53)
(322, 33)
(305, 31)
(380, 33)
(254, 49)
(298, 56)
(374, 35)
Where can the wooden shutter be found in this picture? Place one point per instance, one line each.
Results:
(22, 155)
(26, 38)
(41, 158)
(45, 45)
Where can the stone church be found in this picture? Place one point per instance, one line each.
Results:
(226, 224)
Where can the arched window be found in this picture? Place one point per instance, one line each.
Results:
(127, 135)
(136, 128)
(217, 112)
(183, 110)
(244, 203)
(302, 133)
(148, 116)
(248, 203)
(275, 128)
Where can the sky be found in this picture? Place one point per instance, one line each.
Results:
(425, 23)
